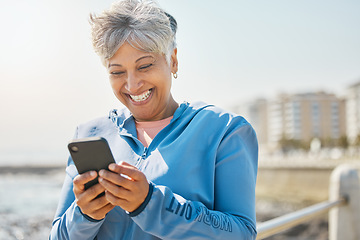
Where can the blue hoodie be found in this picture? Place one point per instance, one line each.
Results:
(201, 169)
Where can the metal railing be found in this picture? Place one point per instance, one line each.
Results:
(343, 207)
(287, 221)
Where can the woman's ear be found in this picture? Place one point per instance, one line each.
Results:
(174, 61)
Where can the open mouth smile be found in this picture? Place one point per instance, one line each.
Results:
(142, 97)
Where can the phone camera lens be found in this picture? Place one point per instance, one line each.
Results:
(74, 148)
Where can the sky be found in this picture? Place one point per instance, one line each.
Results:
(229, 52)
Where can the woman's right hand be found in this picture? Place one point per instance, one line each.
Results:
(93, 207)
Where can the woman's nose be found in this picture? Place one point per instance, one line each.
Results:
(133, 83)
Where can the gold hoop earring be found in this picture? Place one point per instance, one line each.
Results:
(175, 75)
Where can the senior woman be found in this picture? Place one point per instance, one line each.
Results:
(183, 171)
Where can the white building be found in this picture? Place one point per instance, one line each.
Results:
(353, 112)
(255, 112)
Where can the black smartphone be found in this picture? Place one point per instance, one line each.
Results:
(92, 153)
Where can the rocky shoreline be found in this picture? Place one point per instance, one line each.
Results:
(18, 228)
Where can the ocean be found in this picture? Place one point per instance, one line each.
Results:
(28, 200)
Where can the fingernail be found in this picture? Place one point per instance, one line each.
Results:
(112, 167)
(93, 173)
(101, 172)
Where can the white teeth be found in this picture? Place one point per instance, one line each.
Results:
(141, 97)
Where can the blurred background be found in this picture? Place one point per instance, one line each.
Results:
(292, 68)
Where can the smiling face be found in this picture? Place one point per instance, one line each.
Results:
(142, 82)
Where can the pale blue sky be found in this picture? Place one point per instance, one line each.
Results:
(229, 51)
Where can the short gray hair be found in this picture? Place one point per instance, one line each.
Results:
(141, 23)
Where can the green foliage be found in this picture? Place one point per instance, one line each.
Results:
(288, 144)
(357, 141)
(343, 142)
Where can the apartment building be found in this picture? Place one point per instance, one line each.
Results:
(306, 116)
(353, 112)
(300, 117)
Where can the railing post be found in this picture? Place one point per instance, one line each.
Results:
(344, 221)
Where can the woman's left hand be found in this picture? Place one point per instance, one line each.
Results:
(126, 192)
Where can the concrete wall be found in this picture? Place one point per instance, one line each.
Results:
(293, 184)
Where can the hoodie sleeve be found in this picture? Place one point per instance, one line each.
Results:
(170, 216)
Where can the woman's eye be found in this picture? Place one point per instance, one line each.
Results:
(143, 67)
(116, 73)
